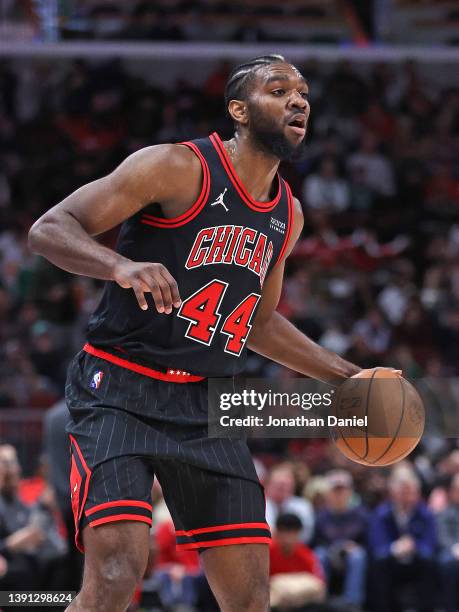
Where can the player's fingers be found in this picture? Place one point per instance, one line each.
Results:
(157, 297)
(167, 296)
(176, 299)
(138, 288)
(152, 283)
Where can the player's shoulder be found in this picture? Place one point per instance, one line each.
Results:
(176, 157)
(159, 172)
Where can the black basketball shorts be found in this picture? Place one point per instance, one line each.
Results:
(127, 427)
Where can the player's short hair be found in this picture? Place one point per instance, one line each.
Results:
(239, 81)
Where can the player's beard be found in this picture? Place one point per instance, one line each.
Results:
(271, 138)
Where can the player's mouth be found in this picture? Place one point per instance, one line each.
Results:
(298, 124)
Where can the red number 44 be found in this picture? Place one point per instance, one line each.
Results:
(201, 309)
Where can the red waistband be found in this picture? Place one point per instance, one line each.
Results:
(171, 375)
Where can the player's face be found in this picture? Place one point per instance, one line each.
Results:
(279, 110)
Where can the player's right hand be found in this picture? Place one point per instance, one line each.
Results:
(144, 277)
(368, 372)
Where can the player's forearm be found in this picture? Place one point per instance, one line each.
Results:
(281, 341)
(64, 242)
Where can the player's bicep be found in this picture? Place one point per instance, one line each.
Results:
(298, 223)
(97, 206)
(140, 179)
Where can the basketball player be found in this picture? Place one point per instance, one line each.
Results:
(195, 280)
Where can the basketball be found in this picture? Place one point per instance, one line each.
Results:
(390, 416)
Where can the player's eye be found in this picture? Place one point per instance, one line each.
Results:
(304, 94)
(278, 92)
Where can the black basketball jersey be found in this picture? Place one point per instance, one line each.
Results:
(220, 252)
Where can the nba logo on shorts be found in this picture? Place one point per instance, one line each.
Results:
(96, 380)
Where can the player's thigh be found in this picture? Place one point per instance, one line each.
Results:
(114, 527)
(238, 576)
(113, 511)
(116, 490)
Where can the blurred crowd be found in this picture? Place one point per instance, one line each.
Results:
(308, 21)
(375, 278)
(178, 20)
(298, 21)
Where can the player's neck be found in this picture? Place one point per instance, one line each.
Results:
(254, 167)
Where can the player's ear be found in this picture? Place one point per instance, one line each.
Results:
(238, 111)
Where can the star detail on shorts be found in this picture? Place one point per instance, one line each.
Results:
(178, 372)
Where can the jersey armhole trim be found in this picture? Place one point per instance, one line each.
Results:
(196, 208)
(288, 233)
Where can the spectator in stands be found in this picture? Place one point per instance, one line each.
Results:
(416, 331)
(398, 288)
(373, 332)
(340, 537)
(45, 355)
(360, 195)
(403, 541)
(316, 491)
(52, 551)
(377, 120)
(446, 468)
(32, 536)
(3, 562)
(176, 569)
(145, 23)
(326, 191)
(377, 168)
(448, 535)
(296, 575)
(280, 498)
(20, 538)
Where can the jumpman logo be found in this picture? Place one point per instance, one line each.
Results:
(219, 200)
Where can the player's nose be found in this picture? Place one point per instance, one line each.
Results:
(296, 100)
